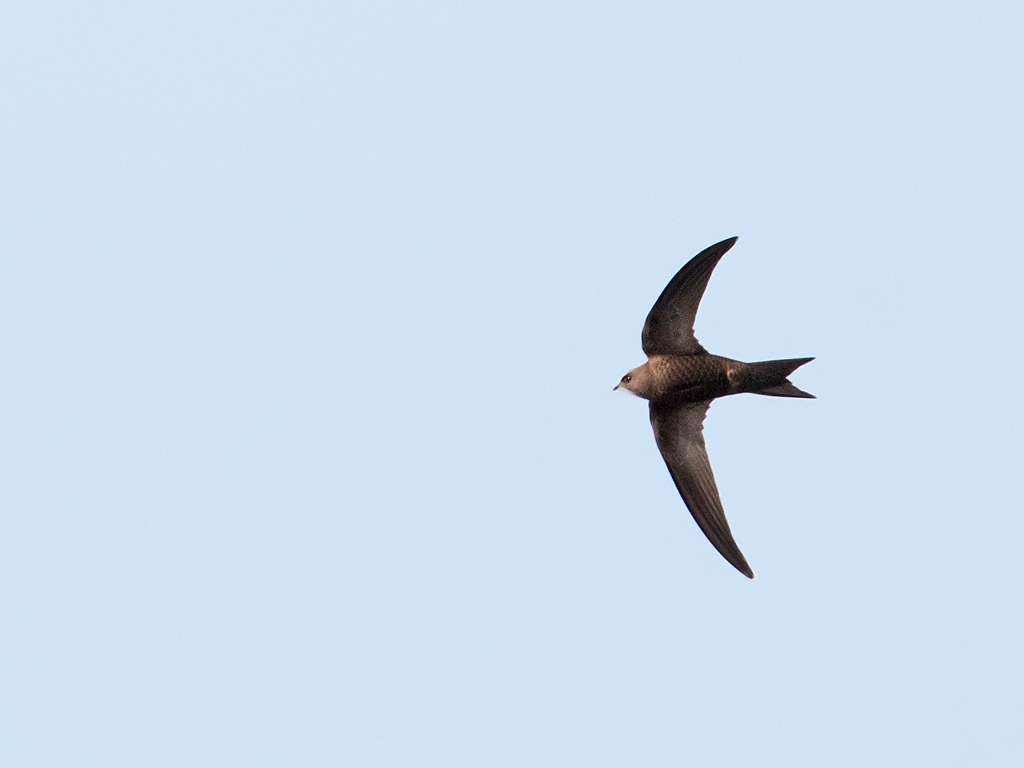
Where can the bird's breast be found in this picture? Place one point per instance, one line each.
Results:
(689, 377)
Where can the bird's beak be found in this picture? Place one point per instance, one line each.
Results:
(616, 386)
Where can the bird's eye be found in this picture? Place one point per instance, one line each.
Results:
(626, 379)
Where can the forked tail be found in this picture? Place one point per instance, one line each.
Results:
(769, 377)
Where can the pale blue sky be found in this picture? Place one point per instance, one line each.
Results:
(309, 320)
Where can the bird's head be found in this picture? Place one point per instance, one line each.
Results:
(636, 381)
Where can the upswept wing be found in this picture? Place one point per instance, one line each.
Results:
(679, 430)
(669, 326)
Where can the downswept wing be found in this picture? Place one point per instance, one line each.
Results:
(669, 326)
(679, 431)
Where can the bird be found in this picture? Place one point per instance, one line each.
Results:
(679, 381)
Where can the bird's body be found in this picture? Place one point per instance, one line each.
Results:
(680, 379)
(693, 378)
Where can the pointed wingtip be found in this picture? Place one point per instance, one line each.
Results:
(743, 568)
(716, 251)
(736, 559)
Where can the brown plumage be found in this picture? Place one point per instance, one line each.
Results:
(680, 379)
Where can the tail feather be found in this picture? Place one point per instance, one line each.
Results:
(785, 389)
(770, 377)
